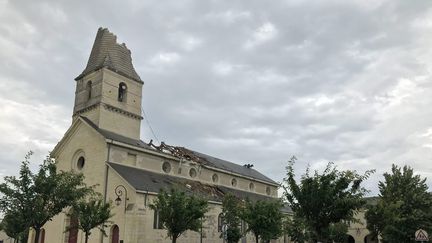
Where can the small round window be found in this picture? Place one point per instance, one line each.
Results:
(166, 167)
(234, 182)
(215, 178)
(80, 163)
(268, 191)
(251, 186)
(192, 173)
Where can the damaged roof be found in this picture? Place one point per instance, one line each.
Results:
(204, 159)
(229, 166)
(143, 180)
(106, 52)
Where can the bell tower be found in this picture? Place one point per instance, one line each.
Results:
(109, 91)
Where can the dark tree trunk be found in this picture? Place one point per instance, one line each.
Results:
(174, 239)
(86, 237)
(256, 238)
(36, 239)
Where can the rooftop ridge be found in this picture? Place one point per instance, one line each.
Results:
(106, 52)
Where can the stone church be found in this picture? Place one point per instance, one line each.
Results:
(103, 142)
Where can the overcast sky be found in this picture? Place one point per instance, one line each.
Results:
(247, 81)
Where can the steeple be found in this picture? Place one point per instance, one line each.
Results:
(106, 52)
(108, 91)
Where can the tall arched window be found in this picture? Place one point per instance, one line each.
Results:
(42, 236)
(157, 224)
(115, 234)
(220, 222)
(72, 230)
(122, 92)
(89, 90)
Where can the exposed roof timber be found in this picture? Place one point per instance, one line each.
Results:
(204, 160)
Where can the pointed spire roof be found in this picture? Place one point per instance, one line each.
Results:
(106, 52)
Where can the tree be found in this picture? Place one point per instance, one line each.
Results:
(264, 219)
(231, 211)
(91, 214)
(179, 212)
(325, 201)
(295, 228)
(403, 206)
(39, 197)
(14, 225)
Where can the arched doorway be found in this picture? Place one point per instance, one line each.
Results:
(42, 236)
(370, 238)
(115, 234)
(350, 239)
(73, 230)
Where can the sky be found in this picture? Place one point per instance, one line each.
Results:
(247, 81)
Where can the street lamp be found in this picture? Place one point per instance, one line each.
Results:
(119, 192)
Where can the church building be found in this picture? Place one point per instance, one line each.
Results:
(103, 142)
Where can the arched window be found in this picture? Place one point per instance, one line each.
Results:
(251, 186)
(122, 92)
(89, 90)
(192, 173)
(268, 191)
(42, 236)
(72, 230)
(166, 167)
(220, 222)
(157, 224)
(234, 182)
(215, 178)
(115, 234)
(80, 163)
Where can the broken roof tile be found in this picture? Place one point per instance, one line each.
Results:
(106, 52)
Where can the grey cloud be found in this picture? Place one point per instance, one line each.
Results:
(326, 87)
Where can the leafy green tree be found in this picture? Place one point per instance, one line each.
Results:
(38, 197)
(231, 211)
(179, 212)
(264, 219)
(91, 214)
(338, 232)
(325, 201)
(404, 205)
(295, 228)
(14, 225)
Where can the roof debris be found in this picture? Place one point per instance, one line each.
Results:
(179, 152)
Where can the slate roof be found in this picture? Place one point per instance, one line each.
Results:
(115, 136)
(205, 159)
(229, 166)
(106, 52)
(143, 180)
